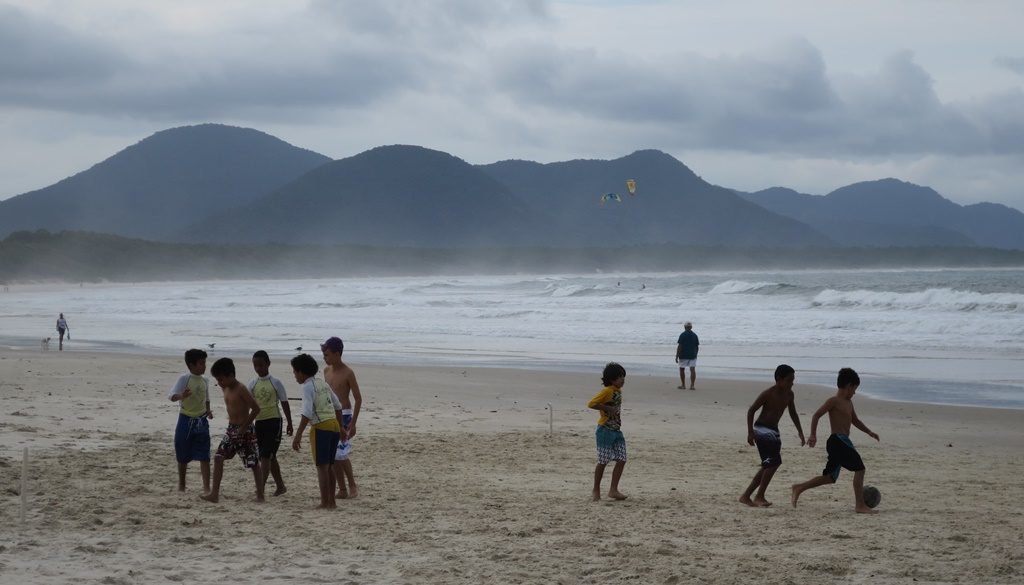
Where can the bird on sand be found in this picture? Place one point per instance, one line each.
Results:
(298, 348)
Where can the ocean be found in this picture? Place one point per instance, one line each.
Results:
(936, 336)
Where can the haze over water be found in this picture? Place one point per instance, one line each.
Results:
(943, 336)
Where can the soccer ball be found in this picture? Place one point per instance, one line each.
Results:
(871, 496)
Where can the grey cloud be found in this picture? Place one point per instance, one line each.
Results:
(38, 52)
(1015, 64)
(779, 101)
(371, 51)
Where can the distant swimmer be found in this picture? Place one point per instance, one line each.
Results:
(62, 329)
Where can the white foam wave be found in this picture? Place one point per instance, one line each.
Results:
(732, 287)
(941, 299)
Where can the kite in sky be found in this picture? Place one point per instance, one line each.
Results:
(610, 197)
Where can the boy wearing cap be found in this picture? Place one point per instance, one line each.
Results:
(342, 381)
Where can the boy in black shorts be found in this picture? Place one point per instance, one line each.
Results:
(841, 452)
(269, 392)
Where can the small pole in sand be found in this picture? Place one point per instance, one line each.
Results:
(551, 420)
(24, 485)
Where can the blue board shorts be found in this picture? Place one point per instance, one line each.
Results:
(192, 439)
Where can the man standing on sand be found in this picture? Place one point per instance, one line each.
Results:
(686, 355)
(342, 380)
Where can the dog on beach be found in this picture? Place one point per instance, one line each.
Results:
(44, 344)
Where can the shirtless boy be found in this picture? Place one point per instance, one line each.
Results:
(841, 452)
(240, 436)
(342, 381)
(773, 402)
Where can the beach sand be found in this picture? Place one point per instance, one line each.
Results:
(460, 482)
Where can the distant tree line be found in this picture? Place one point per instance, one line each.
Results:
(73, 256)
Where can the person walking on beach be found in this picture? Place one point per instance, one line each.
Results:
(322, 410)
(192, 433)
(62, 328)
(240, 436)
(342, 380)
(269, 392)
(773, 402)
(841, 452)
(686, 355)
(611, 444)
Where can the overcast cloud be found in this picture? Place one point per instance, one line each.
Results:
(802, 94)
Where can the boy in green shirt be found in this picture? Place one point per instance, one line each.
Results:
(269, 392)
(192, 433)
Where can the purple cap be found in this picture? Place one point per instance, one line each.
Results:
(334, 344)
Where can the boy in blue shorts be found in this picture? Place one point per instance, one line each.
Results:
(192, 433)
(322, 410)
(841, 452)
(269, 392)
(611, 445)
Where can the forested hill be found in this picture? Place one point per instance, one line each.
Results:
(90, 257)
(157, 187)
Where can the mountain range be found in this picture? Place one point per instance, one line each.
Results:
(221, 184)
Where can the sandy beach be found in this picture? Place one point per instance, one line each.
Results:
(461, 482)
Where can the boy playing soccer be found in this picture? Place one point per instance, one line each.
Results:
(192, 433)
(342, 381)
(841, 452)
(269, 392)
(611, 445)
(765, 432)
(240, 436)
(321, 409)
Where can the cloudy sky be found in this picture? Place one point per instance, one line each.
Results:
(750, 94)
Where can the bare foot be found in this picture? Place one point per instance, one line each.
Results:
(280, 490)
(796, 494)
(181, 487)
(747, 501)
(681, 387)
(210, 498)
(616, 495)
(353, 492)
(761, 503)
(342, 495)
(596, 496)
(693, 387)
(260, 499)
(326, 507)
(865, 510)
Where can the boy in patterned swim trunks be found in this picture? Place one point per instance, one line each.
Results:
(611, 445)
(841, 452)
(773, 402)
(342, 380)
(240, 436)
(192, 433)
